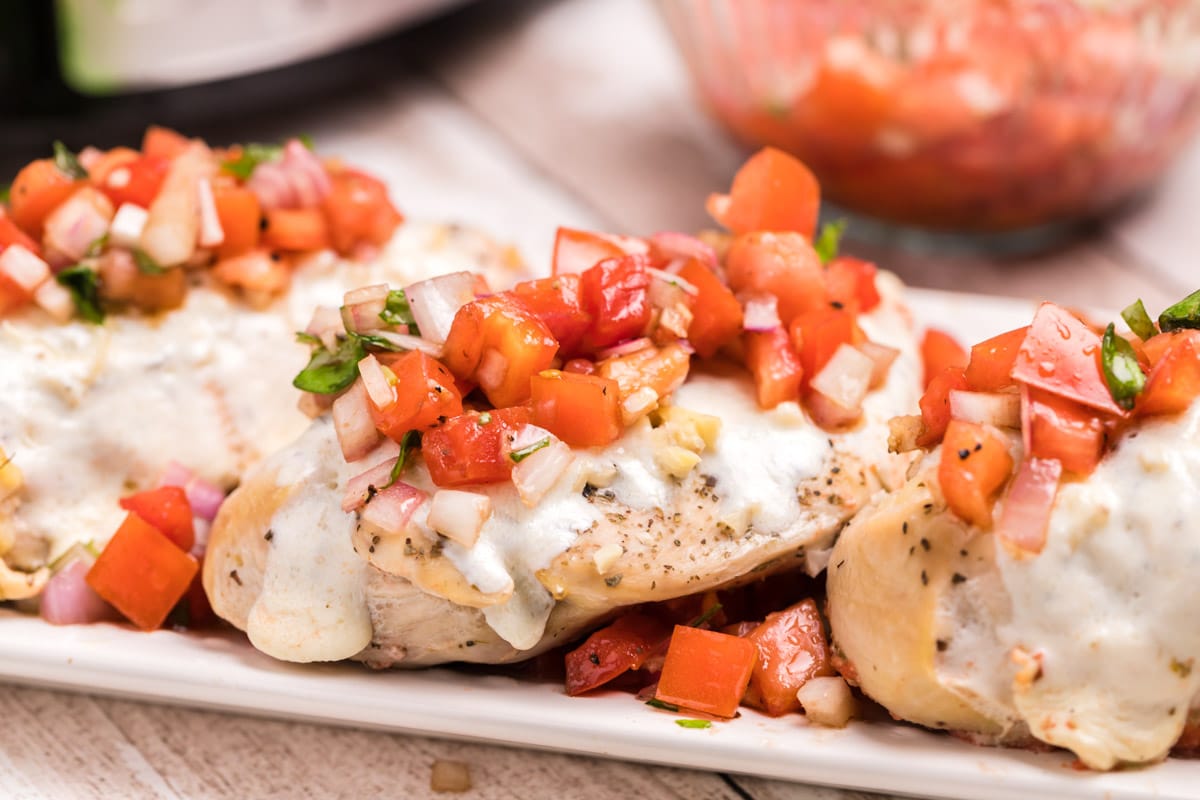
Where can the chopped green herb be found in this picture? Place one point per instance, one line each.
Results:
(829, 240)
(398, 312)
(328, 372)
(706, 616)
(525, 452)
(408, 441)
(307, 141)
(96, 247)
(147, 265)
(654, 702)
(1139, 321)
(84, 285)
(1184, 314)
(5, 192)
(67, 163)
(251, 156)
(377, 342)
(693, 723)
(308, 338)
(1122, 372)
(485, 418)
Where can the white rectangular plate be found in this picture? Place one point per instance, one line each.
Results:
(222, 671)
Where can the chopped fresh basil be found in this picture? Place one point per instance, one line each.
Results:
(1184, 314)
(408, 441)
(97, 247)
(307, 338)
(525, 452)
(706, 616)
(1138, 320)
(147, 265)
(328, 372)
(485, 418)
(829, 240)
(1121, 369)
(67, 163)
(693, 723)
(377, 342)
(84, 285)
(398, 312)
(654, 702)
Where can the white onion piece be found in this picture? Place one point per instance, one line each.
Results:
(674, 245)
(73, 227)
(68, 600)
(760, 312)
(459, 515)
(211, 232)
(638, 404)
(839, 389)
(392, 508)
(1002, 409)
(314, 405)
(363, 317)
(673, 280)
(363, 485)
(173, 226)
(882, 357)
(493, 367)
(23, 267)
(365, 294)
(1025, 512)
(529, 435)
(127, 226)
(55, 300)
(827, 701)
(434, 302)
(624, 348)
(537, 473)
(352, 422)
(406, 341)
(326, 324)
(378, 387)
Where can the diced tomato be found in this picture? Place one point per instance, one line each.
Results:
(974, 467)
(582, 410)
(142, 573)
(10, 234)
(613, 651)
(37, 190)
(792, 648)
(298, 229)
(991, 365)
(816, 335)
(167, 509)
(614, 295)
(1174, 382)
(851, 282)
(716, 313)
(240, 214)
(359, 210)
(161, 142)
(556, 302)
(935, 404)
(497, 342)
(200, 612)
(781, 264)
(136, 181)
(255, 271)
(1057, 428)
(1062, 355)
(424, 395)
(772, 191)
(109, 161)
(662, 369)
(1157, 346)
(472, 447)
(576, 251)
(12, 295)
(774, 365)
(706, 671)
(940, 351)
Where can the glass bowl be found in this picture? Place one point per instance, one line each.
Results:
(963, 115)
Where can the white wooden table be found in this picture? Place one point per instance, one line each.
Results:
(519, 118)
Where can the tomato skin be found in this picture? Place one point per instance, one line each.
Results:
(467, 451)
(37, 190)
(851, 282)
(161, 142)
(772, 191)
(614, 295)
(792, 648)
(716, 313)
(935, 404)
(167, 509)
(781, 264)
(1061, 355)
(991, 364)
(425, 395)
(613, 651)
(582, 410)
(142, 573)
(776, 368)
(1174, 382)
(556, 302)
(706, 671)
(296, 229)
(241, 217)
(136, 181)
(816, 335)
(10, 234)
(359, 210)
(1056, 428)
(974, 467)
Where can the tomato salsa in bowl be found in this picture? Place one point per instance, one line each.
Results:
(973, 116)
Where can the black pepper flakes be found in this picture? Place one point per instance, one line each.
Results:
(925, 545)
(924, 578)
(957, 577)
(964, 454)
(233, 576)
(904, 528)
(269, 535)
(942, 644)
(594, 658)
(612, 580)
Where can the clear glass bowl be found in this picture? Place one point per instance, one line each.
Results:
(965, 115)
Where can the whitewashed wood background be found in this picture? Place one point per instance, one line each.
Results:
(518, 117)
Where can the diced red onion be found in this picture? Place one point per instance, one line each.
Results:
(352, 422)
(73, 226)
(1025, 512)
(68, 600)
(298, 180)
(89, 156)
(326, 324)
(882, 357)
(23, 267)
(528, 435)
(537, 473)
(175, 474)
(378, 387)
(361, 486)
(624, 348)
(493, 367)
(434, 302)
(672, 245)
(459, 515)
(1002, 409)
(839, 389)
(211, 232)
(271, 186)
(406, 341)
(391, 509)
(314, 405)
(299, 160)
(361, 315)
(760, 312)
(203, 496)
(127, 226)
(55, 300)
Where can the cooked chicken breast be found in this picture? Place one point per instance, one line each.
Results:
(90, 413)
(770, 490)
(1089, 645)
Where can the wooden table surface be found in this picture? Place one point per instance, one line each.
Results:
(519, 117)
